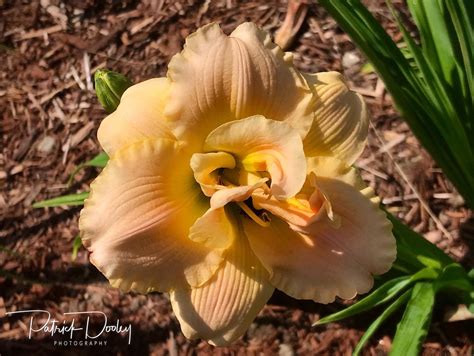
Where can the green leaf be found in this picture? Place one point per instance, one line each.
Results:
(99, 161)
(70, 199)
(413, 328)
(381, 295)
(392, 308)
(384, 293)
(461, 16)
(76, 245)
(414, 251)
(454, 276)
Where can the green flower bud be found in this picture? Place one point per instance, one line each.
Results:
(109, 87)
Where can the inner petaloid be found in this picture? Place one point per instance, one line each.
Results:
(225, 179)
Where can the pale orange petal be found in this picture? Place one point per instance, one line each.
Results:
(139, 116)
(227, 195)
(221, 310)
(136, 222)
(205, 167)
(219, 78)
(323, 260)
(215, 229)
(341, 122)
(263, 145)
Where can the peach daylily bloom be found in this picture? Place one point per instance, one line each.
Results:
(232, 177)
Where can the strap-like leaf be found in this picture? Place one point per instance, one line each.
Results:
(99, 161)
(414, 251)
(70, 199)
(413, 328)
(392, 308)
(381, 295)
(76, 245)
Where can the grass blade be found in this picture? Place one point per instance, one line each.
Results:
(98, 161)
(76, 245)
(413, 328)
(384, 293)
(392, 308)
(70, 199)
(381, 295)
(413, 248)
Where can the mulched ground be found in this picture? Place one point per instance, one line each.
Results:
(50, 115)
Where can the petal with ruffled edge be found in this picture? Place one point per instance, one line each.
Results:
(341, 122)
(206, 166)
(310, 204)
(236, 194)
(137, 220)
(219, 78)
(221, 310)
(321, 261)
(139, 116)
(263, 145)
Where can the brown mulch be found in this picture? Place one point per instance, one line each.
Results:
(49, 117)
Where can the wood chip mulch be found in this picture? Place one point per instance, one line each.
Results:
(49, 117)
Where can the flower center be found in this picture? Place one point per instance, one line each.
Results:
(226, 180)
(259, 216)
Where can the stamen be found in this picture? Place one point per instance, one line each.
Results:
(252, 215)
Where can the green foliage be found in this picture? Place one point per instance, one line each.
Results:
(414, 251)
(99, 161)
(65, 200)
(76, 245)
(388, 291)
(392, 308)
(435, 96)
(432, 84)
(413, 328)
(421, 263)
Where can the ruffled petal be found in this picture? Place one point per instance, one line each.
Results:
(322, 260)
(136, 222)
(214, 229)
(205, 167)
(221, 310)
(311, 204)
(237, 194)
(263, 145)
(341, 122)
(219, 78)
(139, 116)
(332, 167)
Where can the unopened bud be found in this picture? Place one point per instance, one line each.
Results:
(109, 87)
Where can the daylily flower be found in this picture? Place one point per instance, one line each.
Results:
(232, 177)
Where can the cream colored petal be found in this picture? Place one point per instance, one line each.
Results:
(136, 222)
(260, 144)
(205, 166)
(310, 204)
(139, 116)
(331, 167)
(226, 195)
(219, 78)
(222, 310)
(294, 211)
(215, 229)
(322, 260)
(341, 122)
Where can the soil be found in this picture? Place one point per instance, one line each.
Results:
(49, 117)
